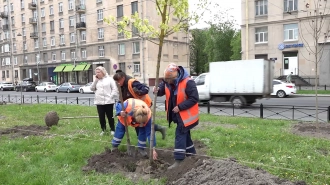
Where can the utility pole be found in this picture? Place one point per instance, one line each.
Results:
(10, 24)
(76, 37)
(39, 45)
(142, 48)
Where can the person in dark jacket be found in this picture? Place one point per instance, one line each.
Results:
(131, 88)
(182, 109)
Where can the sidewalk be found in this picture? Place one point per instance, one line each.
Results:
(312, 95)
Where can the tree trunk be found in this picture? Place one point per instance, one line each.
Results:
(316, 36)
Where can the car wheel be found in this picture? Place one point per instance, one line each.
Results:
(45, 90)
(280, 94)
(238, 102)
(25, 90)
(36, 90)
(68, 91)
(57, 91)
(81, 91)
(1, 89)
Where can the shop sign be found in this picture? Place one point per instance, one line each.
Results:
(283, 46)
(83, 63)
(98, 62)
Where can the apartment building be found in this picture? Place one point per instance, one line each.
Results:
(280, 30)
(65, 40)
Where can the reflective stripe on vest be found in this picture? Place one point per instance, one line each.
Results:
(131, 105)
(146, 98)
(189, 116)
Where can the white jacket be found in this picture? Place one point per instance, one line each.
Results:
(106, 91)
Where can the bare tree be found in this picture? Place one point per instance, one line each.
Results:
(317, 27)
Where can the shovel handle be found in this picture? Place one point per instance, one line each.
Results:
(78, 117)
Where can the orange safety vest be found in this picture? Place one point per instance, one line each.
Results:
(131, 105)
(146, 98)
(189, 116)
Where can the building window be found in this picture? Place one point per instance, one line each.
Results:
(121, 49)
(52, 26)
(61, 23)
(11, 7)
(25, 59)
(122, 67)
(83, 36)
(44, 41)
(100, 15)
(60, 7)
(262, 7)
(83, 53)
(23, 18)
(45, 57)
(98, 1)
(15, 61)
(14, 47)
(22, 4)
(82, 18)
(3, 72)
(290, 32)
(42, 12)
(101, 51)
(71, 20)
(13, 20)
(53, 56)
(100, 33)
(51, 10)
(16, 73)
(36, 43)
(14, 34)
(72, 38)
(62, 39)
(24, 45)
(37, 58)
(135, 31)
(290, 5)
(73, 54)
(261, 35)
(43, 27)
(7, 72)
(136, 67)
(52, 41)
(70, 4)
(62, 55)
(136, 47)
(120, 11)
(134, 6)
(23, 32)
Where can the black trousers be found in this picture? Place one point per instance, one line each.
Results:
(103, 110)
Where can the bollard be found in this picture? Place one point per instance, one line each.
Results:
(55, 99)
(208, 107)
(261, 111)
(38, 99)
(329, 114)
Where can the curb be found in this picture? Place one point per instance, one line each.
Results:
(311, 95)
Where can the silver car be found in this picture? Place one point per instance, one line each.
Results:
(6, 86)
(46, 86)
(68, 87)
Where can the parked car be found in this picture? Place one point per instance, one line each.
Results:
(86, 88)
(68, 87)
(283, 89)
(46, 86)
(6, 86)
(26, 86)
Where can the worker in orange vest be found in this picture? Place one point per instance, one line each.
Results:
(138, 115)
(182, 108)
(131, 88)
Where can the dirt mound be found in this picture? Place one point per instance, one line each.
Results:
(194, 170)
(23, 131)
(321, 130)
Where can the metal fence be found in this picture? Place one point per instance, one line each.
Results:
(303, 113)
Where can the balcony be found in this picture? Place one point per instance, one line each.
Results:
(4, 15)
(81, 26)
(80, 8)
(5, 27)
(33, 20)
(32, 6)
(34, 35)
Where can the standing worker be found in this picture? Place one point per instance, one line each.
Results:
(138, 115)
(105, 90)
(131, 88)
(182, 108)
(288, 78)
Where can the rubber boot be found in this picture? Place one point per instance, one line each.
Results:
(142, 152)
(176, 164)
(162, 130)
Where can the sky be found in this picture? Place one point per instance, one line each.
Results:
(234, 7)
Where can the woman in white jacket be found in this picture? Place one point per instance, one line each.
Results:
(106, 91)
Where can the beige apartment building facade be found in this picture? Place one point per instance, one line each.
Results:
(281, 30)
(65, 40)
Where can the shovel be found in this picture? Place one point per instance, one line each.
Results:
(130, 149)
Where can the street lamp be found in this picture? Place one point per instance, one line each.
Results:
(19, 35)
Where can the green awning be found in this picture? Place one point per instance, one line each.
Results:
(68, 68)
(58, 69)
(87, 67)
(79, 68)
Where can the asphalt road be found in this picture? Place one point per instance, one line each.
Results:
(294, 107)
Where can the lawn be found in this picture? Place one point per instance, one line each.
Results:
(313, 92)
(57, 158)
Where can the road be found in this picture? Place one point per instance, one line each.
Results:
(299, 108)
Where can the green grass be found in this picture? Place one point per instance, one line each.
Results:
(58, 159)
(313, 92)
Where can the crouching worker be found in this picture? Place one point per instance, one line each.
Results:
(138, 115)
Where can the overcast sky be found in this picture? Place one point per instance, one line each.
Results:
(233, 5)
